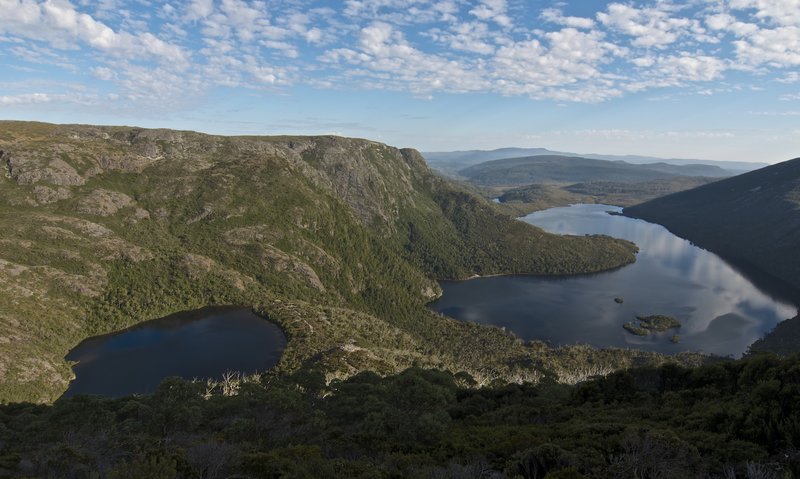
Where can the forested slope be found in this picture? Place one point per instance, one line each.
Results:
(732, 419)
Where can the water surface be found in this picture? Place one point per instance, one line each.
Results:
(204, 343)
(721, 311)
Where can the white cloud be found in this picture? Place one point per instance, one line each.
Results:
(47, 98)
(675, 69)
(778, 47)
(650, 27)
(401, 12)
(468, 36)
(197, 9)
(776, 44)
(554, 15)
(493, 10)
(388, 61)
(781, 12)
(573, 56)
(103, 73)
(58, 23)
(175, 52)
(25, 99)
(791, 77)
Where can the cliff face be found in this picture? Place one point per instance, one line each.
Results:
(335, 239)
(753, 219)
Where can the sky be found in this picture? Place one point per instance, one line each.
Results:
(708, 79)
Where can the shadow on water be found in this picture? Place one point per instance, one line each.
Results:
(204, 343)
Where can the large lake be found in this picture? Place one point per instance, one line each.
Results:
(721, 311)
(205, 343)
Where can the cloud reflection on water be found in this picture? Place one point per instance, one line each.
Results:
(721, 310)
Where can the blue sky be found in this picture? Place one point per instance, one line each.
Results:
(712, 79)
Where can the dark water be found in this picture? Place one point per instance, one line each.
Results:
(721, 311)
(204, 343)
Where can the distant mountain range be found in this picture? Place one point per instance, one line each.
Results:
(565, 169)
(451, 161)
(752, 219)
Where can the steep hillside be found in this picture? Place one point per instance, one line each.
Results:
(337, 240)
(564, 169)
(752, 219)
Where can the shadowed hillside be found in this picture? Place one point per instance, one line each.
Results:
(752, 219)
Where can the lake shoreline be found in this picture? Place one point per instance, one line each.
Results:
(184, 343)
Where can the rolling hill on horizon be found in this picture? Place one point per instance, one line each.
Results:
(512, 172)
(451, 161)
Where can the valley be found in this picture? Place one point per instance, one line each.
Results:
(389, 239)
(336, 240)
(338, 246)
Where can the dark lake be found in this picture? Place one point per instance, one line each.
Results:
(204, 343)
(721, 311)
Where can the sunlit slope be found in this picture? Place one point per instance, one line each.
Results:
(338, 240)
(753, 218)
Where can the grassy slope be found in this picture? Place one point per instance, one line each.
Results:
(753, 219)
(334, 239)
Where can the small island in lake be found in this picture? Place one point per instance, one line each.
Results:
(650, 324)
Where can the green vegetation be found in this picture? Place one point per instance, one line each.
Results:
(527, 199)
(635, 329)
(783, 340)
(751, 220)
(653, 323)
(729, 419)
(658, 322)
(337, 240)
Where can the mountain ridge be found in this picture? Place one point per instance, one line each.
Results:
(454, 160)
(562, 169)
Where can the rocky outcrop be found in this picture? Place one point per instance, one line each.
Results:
(28, 170)
(45, 195)
(103, 202)
(279, 261)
